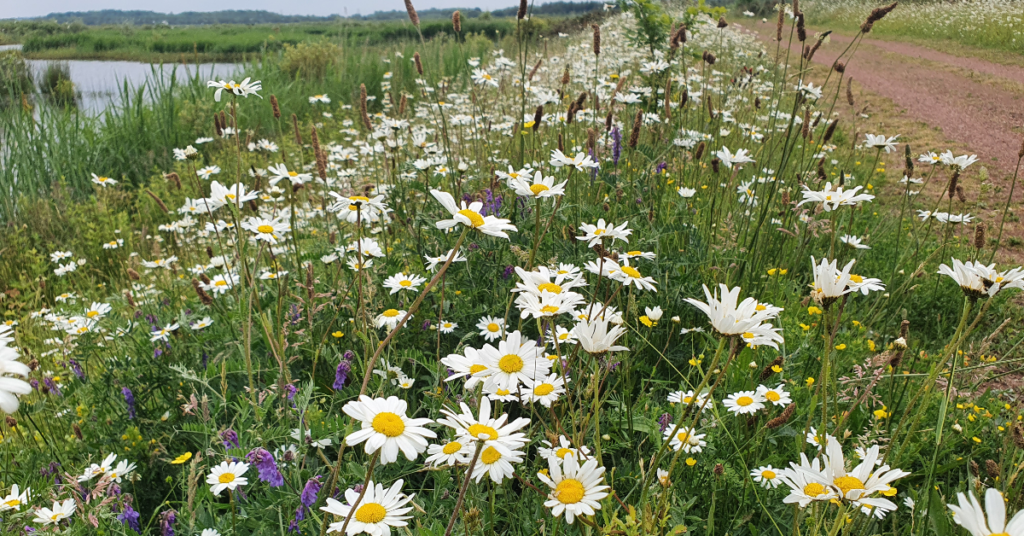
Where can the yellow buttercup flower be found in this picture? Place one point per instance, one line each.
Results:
(182, 459)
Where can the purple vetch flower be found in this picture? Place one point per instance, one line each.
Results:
(77, 369)
(167, 520)
(157, 352)
(492, 204)
(665, 420)
(267, 467)
(344, 367)
(34, 383)
(290, 391)
(300, 514)
(358, 488)
(310, 491)
(661, 167)
(206, 358)
(426, 325)
(616, 145)
(52, 386)
(507, 273)
(130, 399)
(230, 438)
(131, 518)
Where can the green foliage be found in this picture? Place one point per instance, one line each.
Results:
(651, 31)
(15, 78)
(309, 61)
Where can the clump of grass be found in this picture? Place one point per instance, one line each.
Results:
(310, 60)
(57, 86)
(15, 78)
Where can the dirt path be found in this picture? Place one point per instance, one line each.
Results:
(976, 103)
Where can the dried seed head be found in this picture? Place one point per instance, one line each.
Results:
(128, 297)
(538, 116)
(953, 183)
(904, 329)
(768, 371)
(960, 195)
(814, 48)
(417, 62)
(634, 136)
(274, 106)
(840, 67)
(363, 114)
(597, 39)
(992, 468)
(801, 31)
(570, 114)
(217, 128)
(608, 121)
(534, 70)
(591, 140)
(979, 236)
(722, 23)
(78, 431)
(295, 127)
(401, 105)
(1020, 153)
(779, 24)
(159, 203)
(11, 422)
(521, 14)
(133, 275)
(203, 296)
(973, 466)
(413, 17)
(785, 197)
(709, 57)
(684, 98)
(580, 99)
(565, 76)
(699, 151)
(1018, 435)
(719, 469)
(849, 91)
(561, 143)
(830, 130)
(716, 164)
(457, 21)
(782, 418)
(908, 161)
(173, 177)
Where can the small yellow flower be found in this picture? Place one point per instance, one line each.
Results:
(809, 382)
(777, 369)
(840, 347)
(772, 271)
(182, 459)
(812, 310)
(337, 334)
(881, 413)
(691, 462)
(976, 439)
(871, 345)
(645, 320)
(805, 326)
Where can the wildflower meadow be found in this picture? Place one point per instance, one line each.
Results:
(640, 279)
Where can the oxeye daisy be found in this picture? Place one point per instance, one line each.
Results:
(685, 439)
(688, 397)
(389, 318)
(447, 327)
(805, 483)
(575, 490)
(402, 281)
(744, 402)
(969, 514)
(767, 476)
(541, 186)
(561, 450)
(545, 390)
(469, 366)
(14, 499)
(491, 328)
(387, 429)
(59, 512)
(470, 216)
(103, 181)
(515, 360)
(496, 463)
(450, 453)
(777, 396)
(378, 511)
(498, 433)
(267, 230)
(227, 476)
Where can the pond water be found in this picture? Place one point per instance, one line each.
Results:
(100, 81)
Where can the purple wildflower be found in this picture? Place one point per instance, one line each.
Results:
(309, 493)
(131, 518)
(230, 438)
(344, 367)
(616, 145)
(661, 167)
(507, 273)
(267, 467)
(130, 399)
(167, 520)
(665, 420)
(77, 369)
(52, 385)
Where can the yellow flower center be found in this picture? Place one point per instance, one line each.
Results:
(502, 392)
(353, 208)
(569, 491)
(12, 503)
(226, 478)
(490, 455)
(631, 272)
(220, 283)
(538, 188)
(389, 424)
(265, 229)
(769, 474)
(391, 313)
(92, 314)
(847, 483)
(634, 253)
(452, 448)
(563, 452)
(359, 199)
(475, 219)
(773, 396)
(476, 430)
(493, 327)
(549, 287)
(55, 517)
(856, 278)
(292, 174)
(511, 363)
(405, 283)
(598, 232)
(550, 309)
(687, 399)
(814, 489)
(543, 389)
(371, 513)
(476, 368)
(748, 335)
(683, 437)
(760, 307)
(744, 401)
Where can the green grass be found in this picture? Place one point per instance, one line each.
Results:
(988, 24)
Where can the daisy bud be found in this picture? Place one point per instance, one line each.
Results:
(675, 319)
(959, 429)
(900, 344)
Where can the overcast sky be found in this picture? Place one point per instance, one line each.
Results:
(37, 8)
